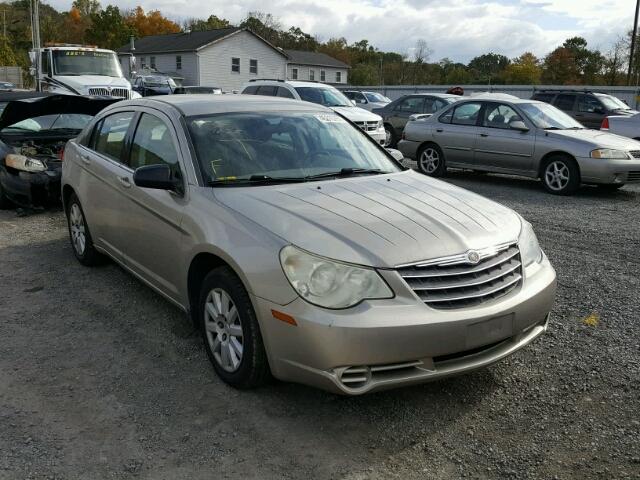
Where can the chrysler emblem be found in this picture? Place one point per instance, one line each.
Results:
(473, 257)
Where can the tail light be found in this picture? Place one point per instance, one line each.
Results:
(605, 124)
(61, 154)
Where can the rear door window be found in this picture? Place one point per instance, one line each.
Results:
(589, 104)
(411, 105)
(250, 90)
(565, 102)
(284, 93)
(466, 114)
(268, 90)
(110, 134)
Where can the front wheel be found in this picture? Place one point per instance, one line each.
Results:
(561, 175)
(391, 139)
(431, 161)
(231, 331)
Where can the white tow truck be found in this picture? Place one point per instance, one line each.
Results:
(79, 70)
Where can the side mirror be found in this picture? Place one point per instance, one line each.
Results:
(396, 154)
(32, 71)
(132, 63)
(32, 56)
(158, 177)
(354, 103)
(518, 125)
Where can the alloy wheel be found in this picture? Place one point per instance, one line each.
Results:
(429, 160)
(388, 136)
(223, 328)
(78, 229)
(557, 175)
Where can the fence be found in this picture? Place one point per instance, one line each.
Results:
(11, 74)
(631, 95)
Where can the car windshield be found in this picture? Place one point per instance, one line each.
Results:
(376, 97)
(548, 117)
(283, 145)
(86, 62)
(613, 103)
(64, 121)
(158, 81)
(327, 96)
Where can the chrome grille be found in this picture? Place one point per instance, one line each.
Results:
(454, 282)
(368, 126)
(633, 176)
(635, 153)
(106, 92)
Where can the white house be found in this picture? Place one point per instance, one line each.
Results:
(228, 58)
(315, 66)
(225, 58)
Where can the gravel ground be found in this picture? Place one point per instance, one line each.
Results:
(102, 378)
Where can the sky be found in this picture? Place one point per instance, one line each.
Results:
(457, 29)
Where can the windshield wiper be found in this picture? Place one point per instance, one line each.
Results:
(253, 180)
(554, 128)
(347, 172)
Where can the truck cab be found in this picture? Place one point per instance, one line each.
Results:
(79, 70)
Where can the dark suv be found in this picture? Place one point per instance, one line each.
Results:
(588, 108)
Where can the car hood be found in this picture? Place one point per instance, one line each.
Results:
(381, 221)
(17, 110)
(357, 114)
(82, 83)
(597, 138)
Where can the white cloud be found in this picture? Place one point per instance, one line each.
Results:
(458, 29)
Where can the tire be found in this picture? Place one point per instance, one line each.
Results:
(392, 137)
(431, 160)
(560, 175)
(231, 331)
(610, 187)
(5, 203)
(80, 236)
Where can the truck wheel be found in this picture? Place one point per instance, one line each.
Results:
(231, 331)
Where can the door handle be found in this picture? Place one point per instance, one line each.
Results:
(85, 159)
(484, 134)
(439, 130)
(124, 181)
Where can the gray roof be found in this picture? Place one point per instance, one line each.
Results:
(206, 104)
(314, 58)
(184, 42)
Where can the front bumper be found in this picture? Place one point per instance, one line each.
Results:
(387, 343)
(596, 170)
(379, 136)
(32, 189)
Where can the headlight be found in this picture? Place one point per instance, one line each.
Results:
(380, 125)
(610, 154)
(530, 250)
(26, 164)
(328, 283)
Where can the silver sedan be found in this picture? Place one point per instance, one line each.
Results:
(522, 137)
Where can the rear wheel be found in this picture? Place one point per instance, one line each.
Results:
(231, 331)
(80, 236)
(561, 175)
(431, 161)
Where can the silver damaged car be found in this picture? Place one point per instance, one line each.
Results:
(300, 247)
(521, 137)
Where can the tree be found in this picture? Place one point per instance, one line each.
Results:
(560, 68)
(421, 54)
(589, 63)
(488, 67)
(109, 29)
(152, 23)
(75, 27)
(87, 7)
(211, 23)
(524, 70)
(263, 24)
(7, 55)
(614, 63)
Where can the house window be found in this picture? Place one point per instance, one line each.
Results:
(323, 76)
(294, 73)
(152, 60)
(312, 75)
(235, 65)
(143, 63)
(253, 66)
(338, 77)
(178, 62)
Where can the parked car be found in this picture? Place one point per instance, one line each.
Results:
(627, 126)
(367, 100)
(7, 86)
(323, 95)
(396, 114)
(299, 247)
(34, 128)
(522, 137)
(153, 84)
(198, 89)
(588, 108)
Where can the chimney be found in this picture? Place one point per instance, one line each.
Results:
(132, 45)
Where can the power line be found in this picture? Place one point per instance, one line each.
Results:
(633, 43)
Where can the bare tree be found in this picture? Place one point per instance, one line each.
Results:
(421, 54)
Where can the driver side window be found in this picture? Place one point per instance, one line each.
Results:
(152, 144)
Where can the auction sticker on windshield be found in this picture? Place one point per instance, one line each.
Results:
(329, 118)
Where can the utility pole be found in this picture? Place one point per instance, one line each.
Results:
(633, 43)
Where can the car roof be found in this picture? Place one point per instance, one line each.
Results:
(292, 83)
(431, 94)
(203, 104)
